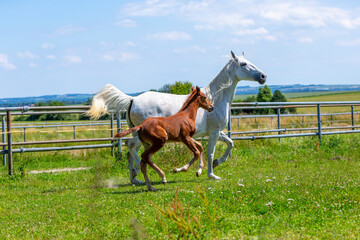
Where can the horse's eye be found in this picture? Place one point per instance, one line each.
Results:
(243, 64)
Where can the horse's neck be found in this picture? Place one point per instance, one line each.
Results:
(222, 88)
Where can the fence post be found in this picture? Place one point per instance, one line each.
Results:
(352, 117)
(3, 139)
(24, 134)
(10, 162)
(229, 122)
(319, 121)
(112, 132)
(74, 132)
(118, 123)
(279, 121)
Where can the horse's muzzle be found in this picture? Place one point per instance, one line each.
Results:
(262, 78)
(211, 108)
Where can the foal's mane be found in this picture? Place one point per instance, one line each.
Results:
(188, 101)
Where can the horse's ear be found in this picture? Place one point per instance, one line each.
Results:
(197, 89)
(233, 55)
(192, 89)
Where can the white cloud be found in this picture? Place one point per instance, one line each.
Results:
(107, 58)
(250, 32)
(4, 62)
(169, 36)
(350, 43)
(216, 15)
(47, 45)
(27, 54)
(126, 23)
(190, 50)
(124, 57)
(130, 43)
(306, 40)
(65, 30)
(50, 56)
(31, 64)
(73, 59)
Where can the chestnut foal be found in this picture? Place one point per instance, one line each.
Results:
(180, 127)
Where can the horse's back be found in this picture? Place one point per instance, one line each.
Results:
(155, 104)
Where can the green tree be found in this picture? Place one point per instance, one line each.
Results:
(165, 88)
(279, 97)
(264, 94)
(181, 87)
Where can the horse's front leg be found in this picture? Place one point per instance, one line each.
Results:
(134, 145)
(213, 137)
(230, 144)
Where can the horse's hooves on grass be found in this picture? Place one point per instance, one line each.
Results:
(198, 174)
(137, 182)
(153, 189)
(164, 182)
(175, 170)
(215, 163)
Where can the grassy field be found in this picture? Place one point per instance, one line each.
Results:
(348, 96)
(293, 189)
(319, 97)
(297, 94)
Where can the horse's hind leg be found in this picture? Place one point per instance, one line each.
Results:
(134, 145)
(190, 143)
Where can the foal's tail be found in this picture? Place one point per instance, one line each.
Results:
(127, 132)
(109, 98)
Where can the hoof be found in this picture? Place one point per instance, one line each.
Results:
(175, 170)
(136, 182)
(212, 176)
(152, 189)
(164, 181)
(198, 174)
(215, 163)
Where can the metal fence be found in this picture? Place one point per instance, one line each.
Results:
(8, 147)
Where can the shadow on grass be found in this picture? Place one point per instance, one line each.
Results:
(143, 186)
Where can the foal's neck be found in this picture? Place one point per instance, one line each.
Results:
(191, 109)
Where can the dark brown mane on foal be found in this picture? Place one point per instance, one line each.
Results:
(180, 127)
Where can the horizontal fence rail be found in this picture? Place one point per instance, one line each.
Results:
(9, 128)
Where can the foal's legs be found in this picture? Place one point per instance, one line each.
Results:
(146, 159)
(194, 147)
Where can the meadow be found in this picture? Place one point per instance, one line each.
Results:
(293, 189)
(296, 188)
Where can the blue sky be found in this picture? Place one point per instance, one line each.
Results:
(58, 47)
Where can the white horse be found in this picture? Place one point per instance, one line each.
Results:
(220, 91)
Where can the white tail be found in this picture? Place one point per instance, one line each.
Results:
(109, 98)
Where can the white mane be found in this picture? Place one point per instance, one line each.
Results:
(222, 81)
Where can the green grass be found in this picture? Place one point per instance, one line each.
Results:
(303, 94)
(293, 189)
(347, 96)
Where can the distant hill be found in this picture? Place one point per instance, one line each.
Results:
(73, 99)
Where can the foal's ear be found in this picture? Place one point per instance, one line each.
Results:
(197, 89)
(192, 89)
(233, 55)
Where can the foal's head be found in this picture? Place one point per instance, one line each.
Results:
(203, 101)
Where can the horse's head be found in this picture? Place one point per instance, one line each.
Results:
(204, 102)
(245, 70)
